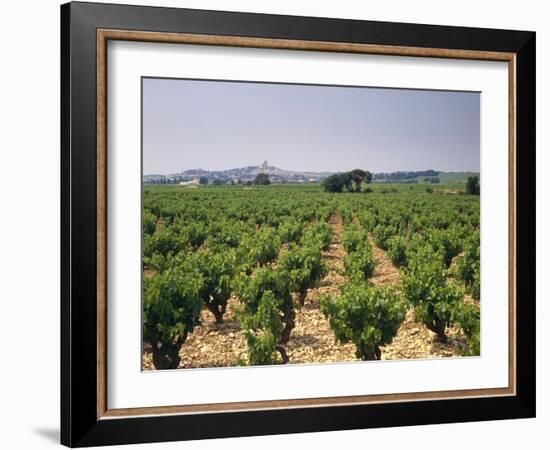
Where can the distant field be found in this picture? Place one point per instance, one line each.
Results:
(444, 178)
(452, 177)
(376, 188)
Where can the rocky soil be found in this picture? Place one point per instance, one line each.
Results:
(312, 340)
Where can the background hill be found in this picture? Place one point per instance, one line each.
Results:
(278, 175)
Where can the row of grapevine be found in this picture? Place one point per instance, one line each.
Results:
(268, 306)
(366, 315)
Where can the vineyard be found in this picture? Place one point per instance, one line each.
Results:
(283, 274)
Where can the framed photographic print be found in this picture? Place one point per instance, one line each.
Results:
(277, 224)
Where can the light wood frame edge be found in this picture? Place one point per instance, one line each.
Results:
(103, 35)
(101, 275)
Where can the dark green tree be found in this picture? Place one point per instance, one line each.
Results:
(332, 184)
(472, 185)
(358, 175)
(349, 181)
(203, 181)
(262, 179)
(368, 177)
(346, 180)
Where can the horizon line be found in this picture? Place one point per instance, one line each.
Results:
(318, 172)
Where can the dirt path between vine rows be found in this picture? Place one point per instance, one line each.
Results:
(312, 340)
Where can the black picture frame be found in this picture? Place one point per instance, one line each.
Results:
(80, 425)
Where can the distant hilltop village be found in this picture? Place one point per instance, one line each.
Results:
(244, 174)
(247, 174)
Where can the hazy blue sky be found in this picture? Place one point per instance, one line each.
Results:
(214, 125)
